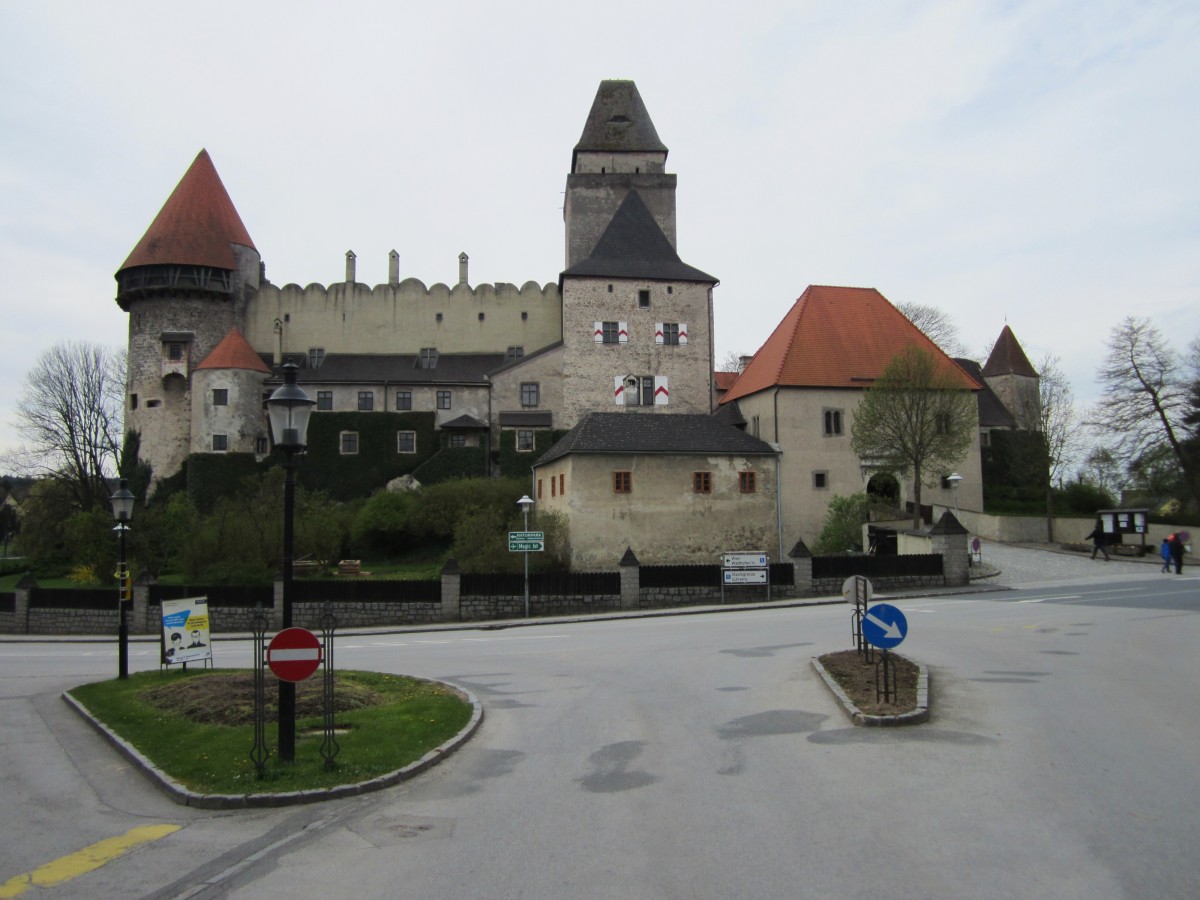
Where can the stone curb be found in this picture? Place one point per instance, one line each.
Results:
(185, 797)
(858, 717)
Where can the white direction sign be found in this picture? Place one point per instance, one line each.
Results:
(745, 576)
(745, 561)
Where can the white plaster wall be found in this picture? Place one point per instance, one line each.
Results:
(242, 420)
(798, 427)
(663, 520)
(589, 367)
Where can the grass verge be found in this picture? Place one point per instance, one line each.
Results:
(198, 726)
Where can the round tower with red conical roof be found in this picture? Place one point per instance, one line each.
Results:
(185, 286)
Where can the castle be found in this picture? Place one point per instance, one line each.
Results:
(491, 376)
(626, 324)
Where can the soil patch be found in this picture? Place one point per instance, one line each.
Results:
(857, 679)
(228, 698)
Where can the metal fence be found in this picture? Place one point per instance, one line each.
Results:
(73, 598)
(541, 584)
(368, 591)
(236, 596)
(916, 564)
(8, 602)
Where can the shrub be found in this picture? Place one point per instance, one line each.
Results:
(842, 530)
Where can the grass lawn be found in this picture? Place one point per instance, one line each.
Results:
(198, 727)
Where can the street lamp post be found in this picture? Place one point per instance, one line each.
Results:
(122, 506)
(289, 409)
(525, 502)
(954, 478)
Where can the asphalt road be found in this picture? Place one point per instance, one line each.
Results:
(696, 756)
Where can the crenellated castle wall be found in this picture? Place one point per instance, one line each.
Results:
(402, 318)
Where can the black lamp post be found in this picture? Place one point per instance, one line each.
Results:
(122, 506)
(289, 409)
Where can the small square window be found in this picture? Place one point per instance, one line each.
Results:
(262, 446)
(349, 443)
(220, 397)
(644, 299)
(458, 440)
(443, 399)
(515, 353)
(174, 352)
(530, 393)
(403, 400)
(670, 332)
(524, 440)
(611, 332)
(702, 482)
(220, 443)
(820, 480)
(406, 442)
(833, 422)
(366, 401)
(622, 482)
(747, 482)
(325, 400)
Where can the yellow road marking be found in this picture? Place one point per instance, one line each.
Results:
(83, 861)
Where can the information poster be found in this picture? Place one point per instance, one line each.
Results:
(185, 631)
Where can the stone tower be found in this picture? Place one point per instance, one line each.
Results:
(637, 320)
(618, 151)
(185, 286)
(1014, 381)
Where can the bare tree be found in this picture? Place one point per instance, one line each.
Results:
(915, 419)
(1145, 397)
(70, 415)
(731, 362)
(1055, 422)
(936, 325)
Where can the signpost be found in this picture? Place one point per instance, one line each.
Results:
(526, 541)
(739, 567)
(884, 626)
(294, 654)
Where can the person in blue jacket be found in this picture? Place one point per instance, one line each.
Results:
(1165, 552)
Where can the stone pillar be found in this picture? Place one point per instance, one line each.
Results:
(350, 260)
(139, 607)
(393, 268)
(451, 591)
(950, 540)
(631, 580)
(21, 592)
(802, 569)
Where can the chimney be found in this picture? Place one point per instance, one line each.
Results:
(393, 268)
(350, 258)
(462, 268)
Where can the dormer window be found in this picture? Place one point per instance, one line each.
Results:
(428, 358)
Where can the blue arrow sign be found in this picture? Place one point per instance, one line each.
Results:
(884, 626)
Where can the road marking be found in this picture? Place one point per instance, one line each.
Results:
(1054, 597)
(83, 861)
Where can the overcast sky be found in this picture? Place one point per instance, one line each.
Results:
(1034, 163)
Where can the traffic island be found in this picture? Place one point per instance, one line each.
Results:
(853, 683)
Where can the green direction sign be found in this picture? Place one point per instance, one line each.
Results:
(526, 541)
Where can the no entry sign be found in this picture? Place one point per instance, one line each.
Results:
(294, 654)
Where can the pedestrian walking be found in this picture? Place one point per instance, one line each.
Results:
(1097, 538)
(1165, 552)
(1176, 544)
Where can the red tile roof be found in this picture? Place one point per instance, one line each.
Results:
(725, 380)
(836, 337)
(234, 352)
(1007, 357)
(195, 226)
